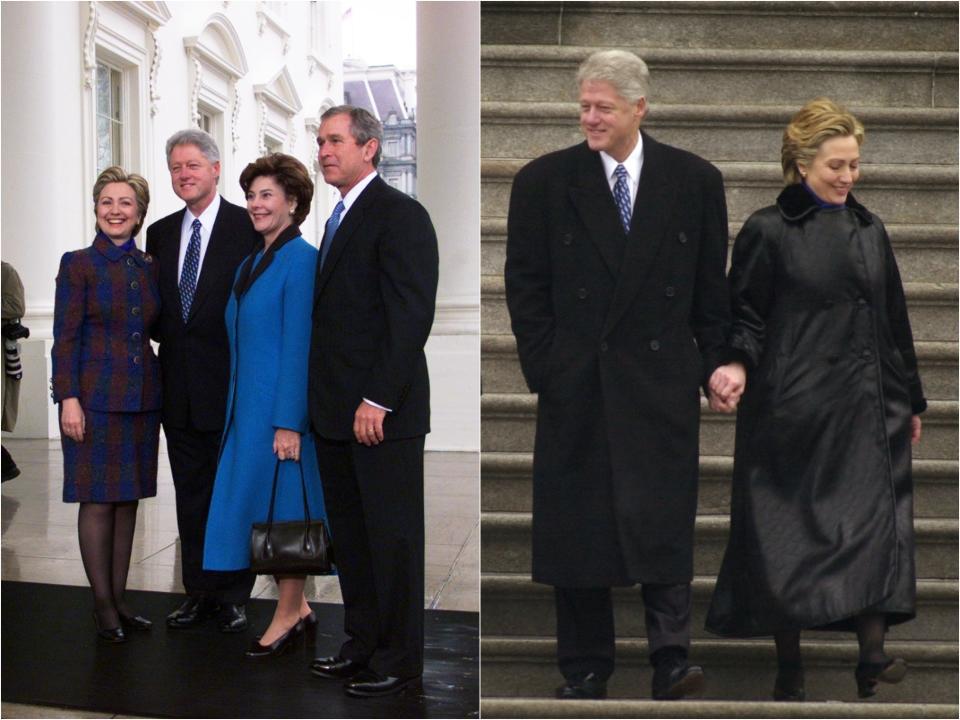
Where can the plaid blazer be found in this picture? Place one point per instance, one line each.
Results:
(107, 301)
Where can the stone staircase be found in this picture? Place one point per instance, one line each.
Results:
(725, 78)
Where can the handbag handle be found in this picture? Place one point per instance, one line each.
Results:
(273, 493)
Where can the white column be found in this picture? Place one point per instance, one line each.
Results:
(42, 192)
(448, 185)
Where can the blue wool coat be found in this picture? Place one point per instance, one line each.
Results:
(268, 326)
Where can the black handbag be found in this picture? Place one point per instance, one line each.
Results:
(297, 547)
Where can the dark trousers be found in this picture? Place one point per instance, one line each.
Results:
(374, 500)
(585, 634)
(193, 461)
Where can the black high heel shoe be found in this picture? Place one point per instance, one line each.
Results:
(789, 686)
(135, 622)
(868, 675)
(278, 646)
(111, 635)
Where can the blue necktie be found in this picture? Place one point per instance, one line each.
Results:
(333, 222)
(191, 265)
(621, 193)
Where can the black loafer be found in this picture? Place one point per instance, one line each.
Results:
(369, 683)
(589, 687)
(337, 667)
(869, 675)
(192, 611)
(135, 622)
(675, 681)
(110, 635)
(233, 618)
(279, 646)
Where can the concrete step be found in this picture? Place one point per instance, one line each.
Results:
(743, 133)
(545, 73)
(932, 308)
(500, 369)
(509, 420)
(505, 544)
(735, 669)
(530, 707)
(812, 25)
(900, 194)
(515, 606)
(925, 253)
(507, 485)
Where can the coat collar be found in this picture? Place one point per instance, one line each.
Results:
(795, 202)
(248, 274)
(113, 253)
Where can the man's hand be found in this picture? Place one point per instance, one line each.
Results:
(72, 420)
(286, 444)
(726, 386)
(915, 429)
(368, 424)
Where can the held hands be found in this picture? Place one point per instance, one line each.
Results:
(72, 420)
(915, 429)
(368, 424)
(726, 386)
(286, 444)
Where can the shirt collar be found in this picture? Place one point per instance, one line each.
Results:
(632, 163)
(355, 191)
(208, 216)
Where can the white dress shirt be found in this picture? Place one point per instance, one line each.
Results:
(633, 165)
(207, 218)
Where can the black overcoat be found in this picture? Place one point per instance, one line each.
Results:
(821, 514)
(616, 333)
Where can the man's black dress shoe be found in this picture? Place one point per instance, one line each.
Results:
(868, 675)
(192, 611)
(110, 635)
(278, 646)
(674, 680)
(589, 687)
(337, 667)
(233, 618)
(369, 683)
(135, 622)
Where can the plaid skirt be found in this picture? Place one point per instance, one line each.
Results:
(117, 460)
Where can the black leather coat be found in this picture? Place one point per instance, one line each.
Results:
(821, 516)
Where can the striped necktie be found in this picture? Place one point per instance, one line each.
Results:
(191, 266)
(621, 194)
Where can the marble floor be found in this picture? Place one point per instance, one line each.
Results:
(39, 541)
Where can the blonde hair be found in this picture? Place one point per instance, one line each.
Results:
(116, 174)
(625, 71)
(817, 121)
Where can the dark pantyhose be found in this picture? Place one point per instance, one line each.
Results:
(788, 648)
(106, 542)
(871, 630)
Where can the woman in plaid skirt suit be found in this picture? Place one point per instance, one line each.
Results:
(106, 380)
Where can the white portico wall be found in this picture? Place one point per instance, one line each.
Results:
(448, 185)
(263, 72)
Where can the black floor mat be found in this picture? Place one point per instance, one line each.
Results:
(51, 656)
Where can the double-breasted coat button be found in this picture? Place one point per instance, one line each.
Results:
(682, 237)
(867, 355)
(582, 293)
(567, 239)
(861, 301)
(669, 292)
(134, 285)
(130, 262)
(135, 310)
(136, 359)
(654, 345)
(136, 337)
(604, 347)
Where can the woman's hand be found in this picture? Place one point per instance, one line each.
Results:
(916, 429)
(286, 444)
(72, 421)
(727, 384)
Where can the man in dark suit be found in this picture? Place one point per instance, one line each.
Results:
(616, 252)
(198, 249)
(369, 399)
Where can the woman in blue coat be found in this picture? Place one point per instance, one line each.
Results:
(268, 324)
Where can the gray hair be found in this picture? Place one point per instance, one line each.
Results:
(625, 71)
(195, 136)
(364, 127)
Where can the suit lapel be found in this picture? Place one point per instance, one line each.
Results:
(214, 260)
(348, 227)
(594, 203)
(656, 197)
(170, 258)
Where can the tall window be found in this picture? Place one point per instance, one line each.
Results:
(109, 117)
